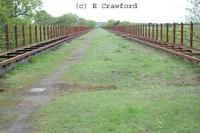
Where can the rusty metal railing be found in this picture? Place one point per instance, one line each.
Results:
(17, 36)
(174, 34)
(179, 39)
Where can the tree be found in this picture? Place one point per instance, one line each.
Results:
(194, 11)
(16, 10)
(91, 23)
(67, 20)
(82, 21)
(44, 18)
(116, 23)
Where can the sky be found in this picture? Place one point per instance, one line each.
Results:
(156, 11)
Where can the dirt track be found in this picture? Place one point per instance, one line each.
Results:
(44, 91)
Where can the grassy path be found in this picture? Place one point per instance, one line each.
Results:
(125, 87)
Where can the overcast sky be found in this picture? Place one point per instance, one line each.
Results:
(147, 11)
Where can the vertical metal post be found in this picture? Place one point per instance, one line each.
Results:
(53, 31)
(51, 28)
(174, 33)
(157, 32)
(30, 34)
(149, 31)
(143, 30)
(191, 35)
(140, 29)
(40, 33)
(136, 30)
(181, 33)
(161, 32)
(44, 32)
(23, 36)
(7, 37)
(16, 37)
(146, 30)
(36, 38)
(153, 31)
(167, 33)
(48, 32)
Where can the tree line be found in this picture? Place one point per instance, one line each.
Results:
(30, 12)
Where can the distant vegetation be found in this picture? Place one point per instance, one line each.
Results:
(44, 18)
(117, 23)
(30, 12)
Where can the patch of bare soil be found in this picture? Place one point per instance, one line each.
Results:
(77, 88)
(43, 92)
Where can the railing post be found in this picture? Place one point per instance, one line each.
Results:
(153, 31)
(167, 33)
(136, 30)
(23, 36)
(40, 33)
(161, 32)
(143, 29)
(48, 32)
(191, 35)
(51, 32)
(149, 31)
(16, 37)
(157, 32)
(44, 32)
(140, 29)
(7, 37)
(181, 33)
(30, 33)
(146, 30)
(174, 33)
(36, 38)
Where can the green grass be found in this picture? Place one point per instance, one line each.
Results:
(25, 75)
(154, 92)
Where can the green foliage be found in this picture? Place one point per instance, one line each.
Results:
(84, 22)
(116, 23)
(18, 11)
(44, 18)
(194, 11)
(67, 20)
